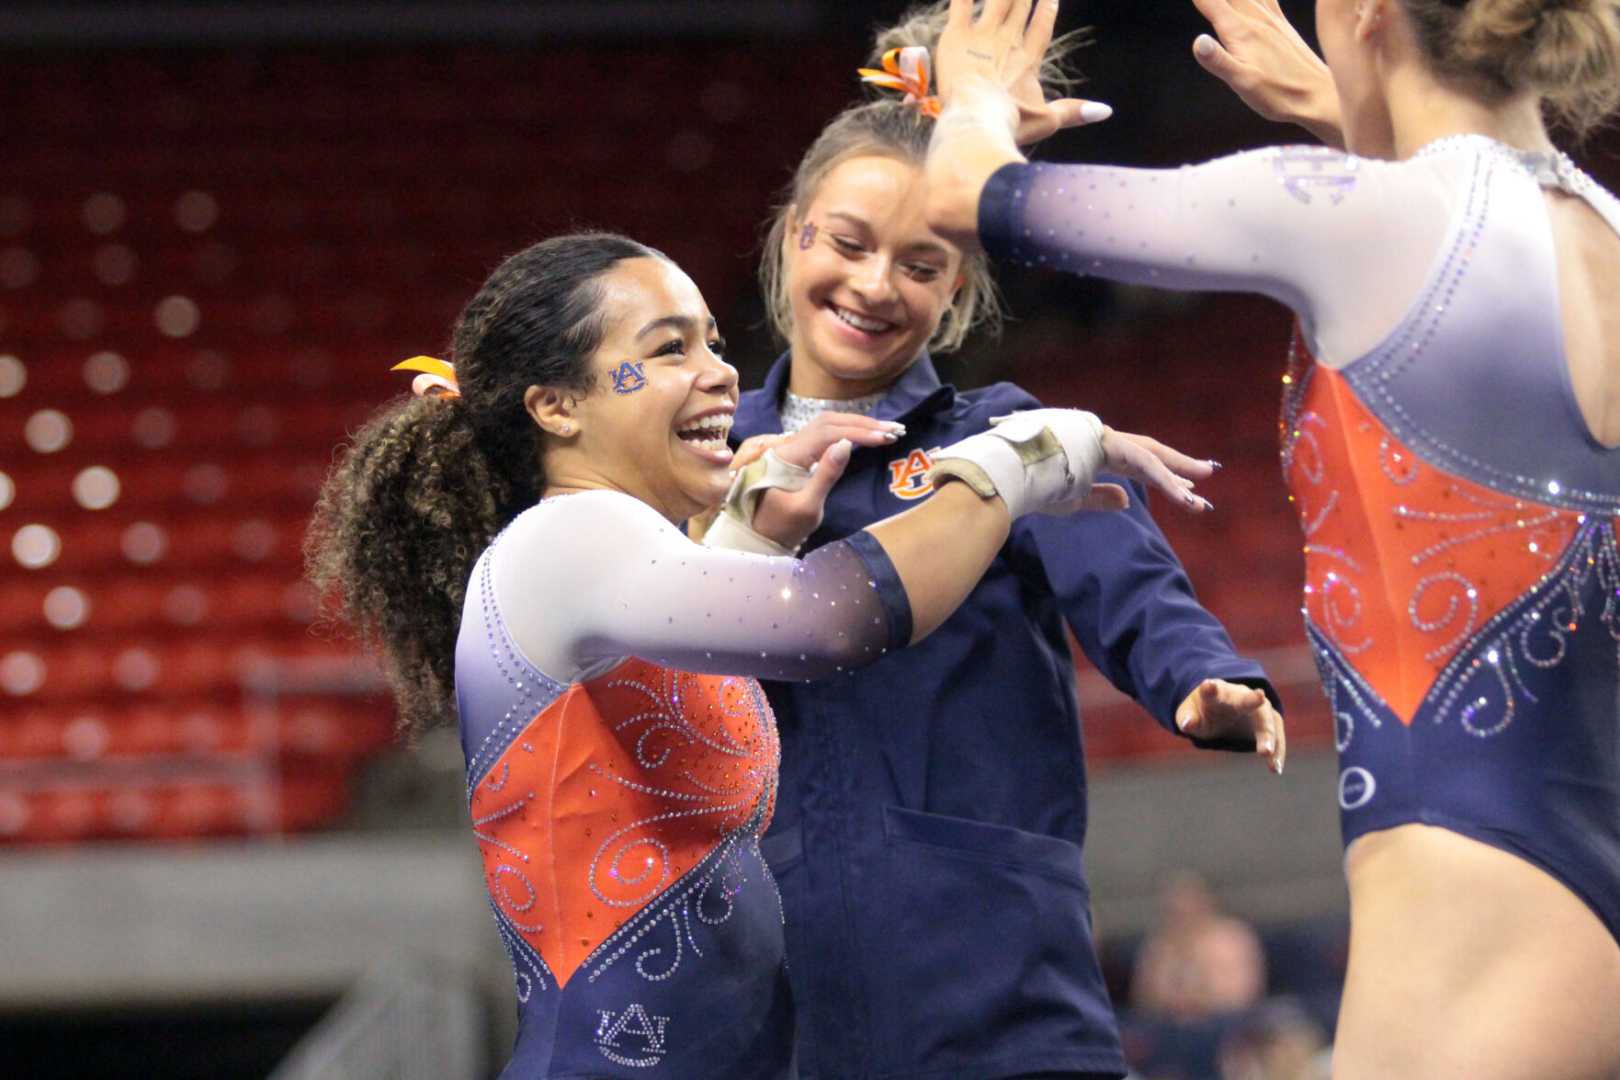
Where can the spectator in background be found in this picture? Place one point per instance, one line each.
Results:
(1198, 961)
(1277, 1041)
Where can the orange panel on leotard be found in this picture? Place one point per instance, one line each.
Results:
(612, 793)
(1404, 562)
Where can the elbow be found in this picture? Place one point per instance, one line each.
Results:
(848, 651)
(841, 648)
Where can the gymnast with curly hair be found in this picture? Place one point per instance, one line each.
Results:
(508, 540)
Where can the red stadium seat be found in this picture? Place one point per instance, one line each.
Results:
(209, 261)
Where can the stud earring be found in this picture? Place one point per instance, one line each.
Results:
(568, 429)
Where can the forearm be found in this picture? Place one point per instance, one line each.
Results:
(973, 138)
(941, 549)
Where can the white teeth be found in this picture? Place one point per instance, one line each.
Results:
(861, 322)
(709, 433)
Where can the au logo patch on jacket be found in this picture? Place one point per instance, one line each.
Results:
(907, 476)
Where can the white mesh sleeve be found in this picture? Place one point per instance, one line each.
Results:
(1345, 242)
(591, 578)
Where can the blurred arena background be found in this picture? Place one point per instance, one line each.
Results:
(220, 224)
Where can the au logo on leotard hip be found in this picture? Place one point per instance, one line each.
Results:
(628, 377)
(1356, 788)
(633, 1038)
(908, 476)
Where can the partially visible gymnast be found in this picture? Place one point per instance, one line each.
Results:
(1452, 440)
(508, 541)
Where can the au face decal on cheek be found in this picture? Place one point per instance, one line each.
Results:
(628, 377)
(807, 236)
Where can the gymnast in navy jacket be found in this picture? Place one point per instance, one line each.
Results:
(928, 831)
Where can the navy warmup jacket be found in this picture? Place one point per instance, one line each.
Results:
(933, 805)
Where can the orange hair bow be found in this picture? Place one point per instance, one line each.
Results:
(906, 70)
(438, 376)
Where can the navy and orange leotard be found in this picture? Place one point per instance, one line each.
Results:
(1462, 574)
(622, 765)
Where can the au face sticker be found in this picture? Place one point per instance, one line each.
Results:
(629, 377)
(807, 236)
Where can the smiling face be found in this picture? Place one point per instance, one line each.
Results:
(866, 279)
(654, 424)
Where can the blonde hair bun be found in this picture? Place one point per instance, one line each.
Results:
(1567, 51)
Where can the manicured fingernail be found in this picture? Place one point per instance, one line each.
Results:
(1277, 766)
(1204, 46)
(1217, 466)
(1267, 745)
(1182, 721)
(1095, 112)
(890, 425)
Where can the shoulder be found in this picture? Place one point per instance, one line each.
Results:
(588, 520)
(1312, 175)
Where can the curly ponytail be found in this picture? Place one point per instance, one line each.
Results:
(427, 483)
(1566, 51)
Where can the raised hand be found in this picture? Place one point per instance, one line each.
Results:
(989, 79)
(1218, 709)
(999, 55)
(1259, 54)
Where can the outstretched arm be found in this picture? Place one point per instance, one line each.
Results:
(1133, 612)
(1344, 242)
(591, 577)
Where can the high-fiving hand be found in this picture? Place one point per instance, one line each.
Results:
(1004, 48)
(1259, 54)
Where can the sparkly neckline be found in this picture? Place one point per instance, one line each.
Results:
(1551, 169)
(798, 411)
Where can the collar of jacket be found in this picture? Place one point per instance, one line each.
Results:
(916, 392)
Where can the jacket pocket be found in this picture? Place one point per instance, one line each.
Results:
(984, 952)
(960, 838)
